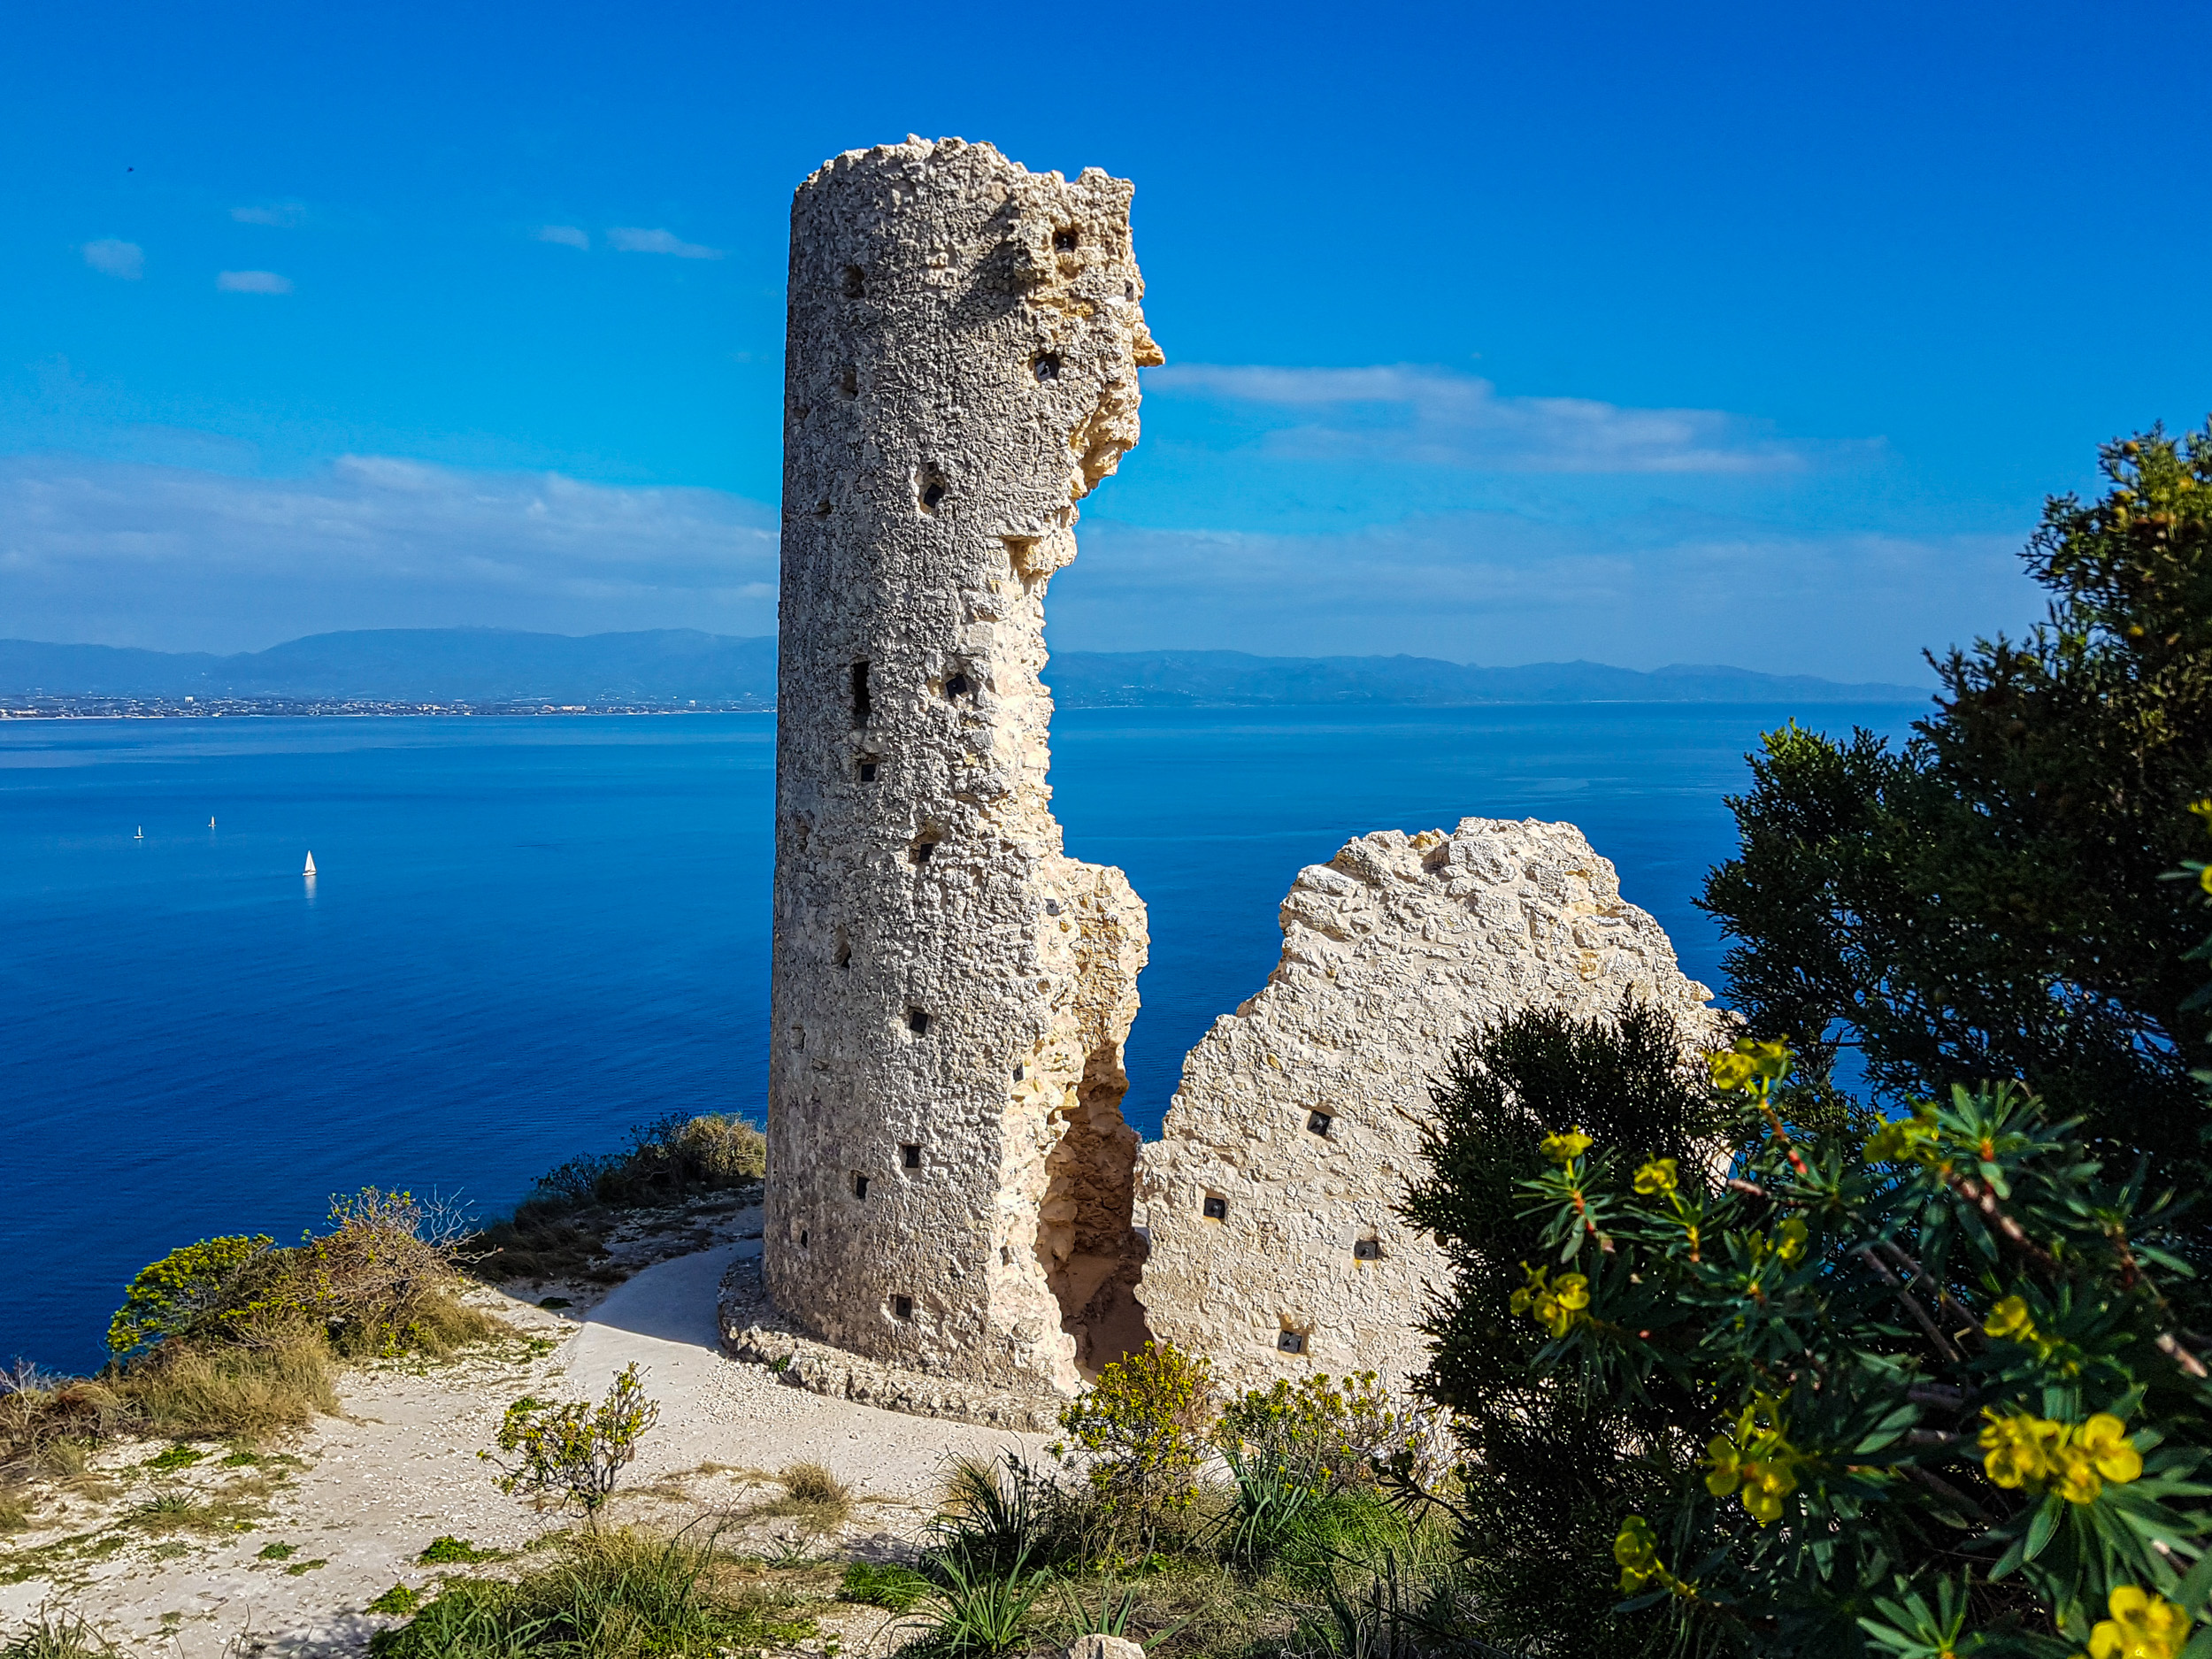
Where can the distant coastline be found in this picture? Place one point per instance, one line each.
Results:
(396, 672)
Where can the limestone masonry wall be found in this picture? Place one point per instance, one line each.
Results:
(1270, 1199)
(948, 1172)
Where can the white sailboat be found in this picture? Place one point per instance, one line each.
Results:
(142, 833)
(211, 823)
(311, 865)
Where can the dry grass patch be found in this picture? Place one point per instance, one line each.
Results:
(813, 1496)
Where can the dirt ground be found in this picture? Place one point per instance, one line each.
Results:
(279, 1549)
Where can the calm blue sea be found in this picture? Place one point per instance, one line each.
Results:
(527, 936)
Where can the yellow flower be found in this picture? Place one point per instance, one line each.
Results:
(1759, 1462)
(2014, 1453)
(2204, 877)
(2077, 1460)
(1636, 1549)
(1764, 1483)
(1731, 1071)
(1656, 1176)
(2105, 1438)
(2010, 1319)
(1554, 1303)
(1565, 1149)
(2076, 1475)
(2142, 1626)
(1771, 1060)
(1727, 1471)
(1789, 1244)
(1907, 1138)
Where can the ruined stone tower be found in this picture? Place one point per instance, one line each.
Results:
(949, 1176)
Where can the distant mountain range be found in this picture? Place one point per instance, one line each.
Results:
(676, 665)
(1099, 679)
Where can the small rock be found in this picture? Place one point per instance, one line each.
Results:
(1104, 1647)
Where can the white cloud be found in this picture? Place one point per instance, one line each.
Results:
(284, 215)
(567, 235)
(252, 282)
(1432, 417)
(631, 239)
(124, 259)
(178, 559)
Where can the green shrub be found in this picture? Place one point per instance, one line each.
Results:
(1933, 1392)
(575, 1452)
(1549, 1462)
(1147, 1425)
(1983, 900)
(559, 1231)
(886, 1584)
(1332, 1434)
(395, 1602)
(194, 1290)
(619, 1594)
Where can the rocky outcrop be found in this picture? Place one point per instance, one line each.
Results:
(1269, 1199)
(948, 1176)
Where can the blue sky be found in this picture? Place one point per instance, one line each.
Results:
(1679, 334)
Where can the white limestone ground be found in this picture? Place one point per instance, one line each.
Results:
(948, 1171)
(359, 1496)
(1269, 1199)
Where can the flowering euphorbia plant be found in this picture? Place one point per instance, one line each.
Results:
(1952, 1407)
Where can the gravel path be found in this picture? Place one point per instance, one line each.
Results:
(358, 1496)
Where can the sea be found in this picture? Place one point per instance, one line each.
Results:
(527, 936)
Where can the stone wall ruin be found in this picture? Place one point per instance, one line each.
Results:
(1269, 1199)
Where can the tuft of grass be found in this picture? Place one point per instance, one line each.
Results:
(57, 1636)
(395, 1602)
(278, 1552)
(15, 1514)
(886, 1584)
(813, 1496)
(446, 1547)
(177, 1457)
(180, 1512)
(300, 1567)
(619, 1594)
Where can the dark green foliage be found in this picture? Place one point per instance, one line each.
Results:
(446, 1549)
(1985, 902)
(1551, 1465)
(886, 1584)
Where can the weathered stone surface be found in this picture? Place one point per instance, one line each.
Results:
(950, 992)
(1104, 1647)
(1391, 952)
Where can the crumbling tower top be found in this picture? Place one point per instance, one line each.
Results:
(948, 1175)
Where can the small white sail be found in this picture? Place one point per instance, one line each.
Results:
(142, 833)
(211, 823)
(311, 865)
